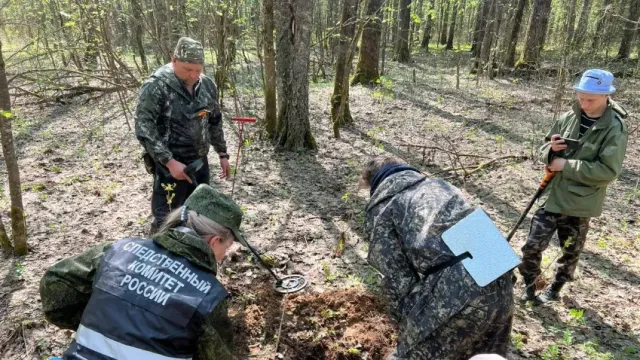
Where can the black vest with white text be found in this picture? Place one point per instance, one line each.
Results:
(146, 303)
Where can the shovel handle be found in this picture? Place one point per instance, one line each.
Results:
(548, 176)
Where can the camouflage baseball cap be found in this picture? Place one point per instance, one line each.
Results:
(189, 50)
(208, 202)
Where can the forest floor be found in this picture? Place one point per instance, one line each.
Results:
(85, 184)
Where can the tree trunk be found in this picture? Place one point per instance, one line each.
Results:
(583, 21)
(452, 27)
(415, 27)
(293, 28)
(488, 35)
(402, 52)
(91, 34)
(495, 31)
(445, 24)
(629, 31)
(536, 33)
(383, 46)
(571, 22)
(271, 111)
(394, 22)
(138, 33)
(320, 40)
(426, 37)
(331, 23)
(163, 30)
(602, 18)
(340, 113)
(367, 68)
(481, 24)
(513, 36)
(18, 226)
(5, 243)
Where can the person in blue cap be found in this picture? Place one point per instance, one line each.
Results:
(584, 167)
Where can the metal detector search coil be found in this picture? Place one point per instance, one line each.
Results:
(290, 284)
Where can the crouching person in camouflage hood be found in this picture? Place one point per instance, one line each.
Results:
(442, 314)
(152, 298)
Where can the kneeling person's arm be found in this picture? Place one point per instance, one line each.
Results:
(216, 341)
(66, 287)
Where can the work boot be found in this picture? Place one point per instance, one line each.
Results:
(529, 291)
(551, 294)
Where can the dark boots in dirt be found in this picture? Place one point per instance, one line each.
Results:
(529, 291)
(551, 294)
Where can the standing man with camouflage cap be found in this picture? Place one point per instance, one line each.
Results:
(583, 171)
(177, 118)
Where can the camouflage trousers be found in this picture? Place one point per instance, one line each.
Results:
(481, 327)
(572, 233)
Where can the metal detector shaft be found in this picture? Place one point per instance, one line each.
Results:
(262, 262)
(548, 176)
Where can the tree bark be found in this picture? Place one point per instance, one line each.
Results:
(5, 243)
(488, 35)
(426, 37)
(18, 225)
(271, 112)
(402, 52)
(583, 21)
(513, 36)
(367, 68)
(293, 29)
(340, 113)
(571, 22)
(481, 24)
(452, 27)
(395, 28)
(91, 33)
(536, 34)
(629, 31)
(445, 24)
(602, 18)
(138, 33)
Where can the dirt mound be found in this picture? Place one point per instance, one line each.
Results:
(344, 324)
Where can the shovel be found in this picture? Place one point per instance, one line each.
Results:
(548, 176)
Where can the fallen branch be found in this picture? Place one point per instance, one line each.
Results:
(477, 167)
(425, 147)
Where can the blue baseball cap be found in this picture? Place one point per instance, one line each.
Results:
(596, 81)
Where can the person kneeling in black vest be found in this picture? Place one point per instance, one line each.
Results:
(152, 298)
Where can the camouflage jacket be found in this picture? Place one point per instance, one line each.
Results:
(404, 220)
(580, 188)
(172, 123)
(66, 288)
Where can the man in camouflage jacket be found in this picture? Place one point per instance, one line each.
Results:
(442, 315)
(176, 120)
(577, 192)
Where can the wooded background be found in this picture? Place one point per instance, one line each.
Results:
(55, 51)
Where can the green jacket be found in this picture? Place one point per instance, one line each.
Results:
(579, 189)
(66, 288)
(172, 123)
